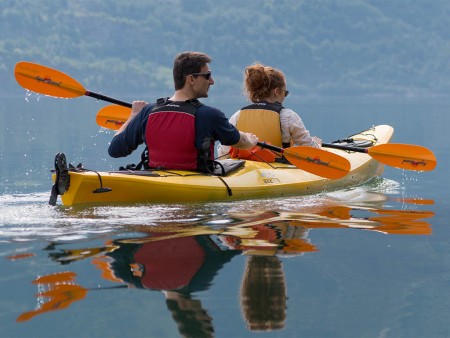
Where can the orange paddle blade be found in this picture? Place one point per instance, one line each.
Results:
(47, 81)
(404, 156)
(112, 116)
(318, 162)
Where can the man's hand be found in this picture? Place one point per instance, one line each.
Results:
(136, 108)
(246, 141)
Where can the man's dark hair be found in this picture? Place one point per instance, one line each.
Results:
(188, 63)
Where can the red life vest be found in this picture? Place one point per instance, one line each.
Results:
(170, 264)
(170, 135)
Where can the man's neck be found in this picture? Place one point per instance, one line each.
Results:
(182, 95)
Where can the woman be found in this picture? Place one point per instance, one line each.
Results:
(266, 117)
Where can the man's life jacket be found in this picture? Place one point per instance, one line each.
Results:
(263, 120)
(169, 264)
(170, 137)
(165, 264)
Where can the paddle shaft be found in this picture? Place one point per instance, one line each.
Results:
(349, 148)
(326, 145)
(270, 147)
(107, 98)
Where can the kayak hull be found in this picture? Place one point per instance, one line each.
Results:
(254, 180)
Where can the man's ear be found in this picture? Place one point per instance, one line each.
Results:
(190, 79)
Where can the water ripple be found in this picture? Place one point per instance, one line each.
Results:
(24, 217)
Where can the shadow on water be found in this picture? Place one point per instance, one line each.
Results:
(182, 257)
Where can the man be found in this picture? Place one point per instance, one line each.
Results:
(180, 131)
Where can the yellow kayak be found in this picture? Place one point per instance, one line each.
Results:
(248, 180)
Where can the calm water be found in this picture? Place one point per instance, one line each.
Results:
(368, 261)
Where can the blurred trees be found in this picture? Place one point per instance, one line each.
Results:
(325, 47)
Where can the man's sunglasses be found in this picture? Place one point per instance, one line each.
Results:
(206, 75)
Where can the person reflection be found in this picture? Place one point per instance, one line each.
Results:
(176, 266)
(182, 261)
(263, 294)
(263, 290)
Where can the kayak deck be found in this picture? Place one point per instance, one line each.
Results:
(253, 180)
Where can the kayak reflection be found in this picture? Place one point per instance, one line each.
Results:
(181, 260)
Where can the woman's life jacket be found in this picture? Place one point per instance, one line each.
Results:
(263, 120)
(170, 137)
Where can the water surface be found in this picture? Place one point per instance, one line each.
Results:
(366, 261)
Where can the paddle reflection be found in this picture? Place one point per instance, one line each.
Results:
(181, 260)
(60, 290)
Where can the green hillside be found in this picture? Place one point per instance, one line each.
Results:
(325, 47)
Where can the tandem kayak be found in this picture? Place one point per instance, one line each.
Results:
(245, 180)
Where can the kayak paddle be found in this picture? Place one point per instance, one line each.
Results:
(403, 156)
(52, 82)
(313, 160)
